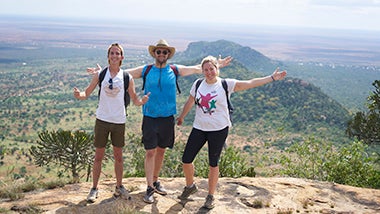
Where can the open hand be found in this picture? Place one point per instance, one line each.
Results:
(93, 71)
(279, 75)
(225, 61)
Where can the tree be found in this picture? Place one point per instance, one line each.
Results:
(71, 151)
(366, 125)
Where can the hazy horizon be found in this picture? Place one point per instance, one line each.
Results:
(279, 43)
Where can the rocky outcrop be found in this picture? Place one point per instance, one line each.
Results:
(234, 195)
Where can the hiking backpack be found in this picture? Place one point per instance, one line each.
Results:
(173, 67)
(225, 87)
(127, 98)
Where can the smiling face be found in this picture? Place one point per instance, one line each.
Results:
(161, 55)
(210, 69)
(115, 55)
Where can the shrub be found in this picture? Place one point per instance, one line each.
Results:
(134, 157)
(313, 159)
(234, 164)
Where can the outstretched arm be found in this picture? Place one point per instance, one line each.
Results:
(255, 82)
(186, 109)
(135, 72)
(90, 88)
(132, 93)
(196, 69)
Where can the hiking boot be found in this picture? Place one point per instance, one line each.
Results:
(210, 202)
(159, 189)
(148, 197)
(121, 192)
(187, 191)
(93, 195)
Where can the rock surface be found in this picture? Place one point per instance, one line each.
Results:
(234, 195)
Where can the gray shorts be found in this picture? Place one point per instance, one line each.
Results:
(158, 132)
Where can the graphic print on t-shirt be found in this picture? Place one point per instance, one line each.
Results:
(111, 88)
(206, 103)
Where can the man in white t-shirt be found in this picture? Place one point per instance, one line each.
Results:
(110, 117)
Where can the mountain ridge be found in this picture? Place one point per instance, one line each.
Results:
(249, 57)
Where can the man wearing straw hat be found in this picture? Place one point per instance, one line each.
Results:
(158, 113)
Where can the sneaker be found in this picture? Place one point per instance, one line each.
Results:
(159, 189)
(210, 202)
(187, 191)
(93, 195)
(148, 197)
(121, 192)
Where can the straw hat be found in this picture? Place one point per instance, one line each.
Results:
(161, 44)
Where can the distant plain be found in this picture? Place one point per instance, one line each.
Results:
(347, 47)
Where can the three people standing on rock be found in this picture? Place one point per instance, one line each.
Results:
(158, 115)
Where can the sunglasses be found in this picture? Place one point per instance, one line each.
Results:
(158, 52)
(111, 84)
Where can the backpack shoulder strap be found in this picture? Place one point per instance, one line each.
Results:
(225, 86)
(102, 74)
(148, 67)
(176, 72)
(174, 68)
(199, 81)
(127, 98)
(126, 80)
(197, 84)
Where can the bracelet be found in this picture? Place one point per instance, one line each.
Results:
(272, 78)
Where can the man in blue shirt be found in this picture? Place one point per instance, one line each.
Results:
(158, 113)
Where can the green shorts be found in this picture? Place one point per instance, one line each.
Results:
(103, 129)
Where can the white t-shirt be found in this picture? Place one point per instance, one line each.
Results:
(211, 113)
(111, 101)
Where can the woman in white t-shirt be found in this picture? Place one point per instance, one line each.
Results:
(212, 121)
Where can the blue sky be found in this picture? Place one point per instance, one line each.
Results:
(346, 14)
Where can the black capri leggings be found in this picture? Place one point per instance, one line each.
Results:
(198, 138)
